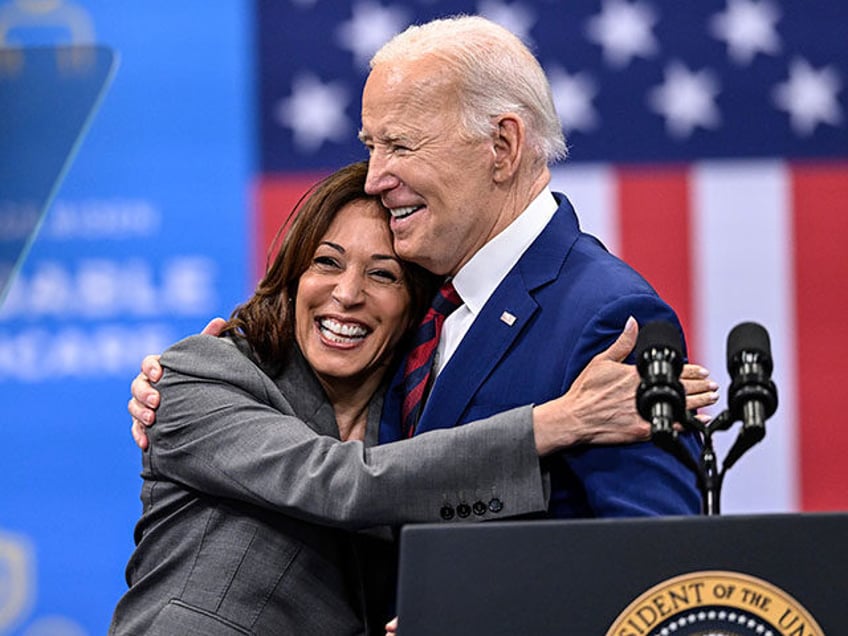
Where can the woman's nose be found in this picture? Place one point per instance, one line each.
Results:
(349, 289)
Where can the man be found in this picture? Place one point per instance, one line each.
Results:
(458, 117)
(459, 122)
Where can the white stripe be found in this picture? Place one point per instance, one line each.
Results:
(743, 271)
(591, 189)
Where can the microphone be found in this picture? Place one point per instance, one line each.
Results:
(660, 398)
(752, 397)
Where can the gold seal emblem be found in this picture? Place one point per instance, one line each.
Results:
(715, 603)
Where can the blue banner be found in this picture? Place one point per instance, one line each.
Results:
(146, 240)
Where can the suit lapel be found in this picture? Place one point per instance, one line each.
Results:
(301, 388)
(479, 352)
(501, 321)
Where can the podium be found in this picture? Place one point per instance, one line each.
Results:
(762, 574)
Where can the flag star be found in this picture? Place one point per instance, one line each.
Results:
(370, 26)
(623, 30)
(573, 99)
(518, 18)
(686, 100)
(315, 112)
(809, 96)
(748, 28)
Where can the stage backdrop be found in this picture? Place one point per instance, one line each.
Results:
(709, 147)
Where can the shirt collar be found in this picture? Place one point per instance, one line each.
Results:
(480, 276)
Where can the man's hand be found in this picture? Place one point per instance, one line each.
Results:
(600, 406)
(145, 399)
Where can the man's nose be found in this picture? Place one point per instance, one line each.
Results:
(379, 179)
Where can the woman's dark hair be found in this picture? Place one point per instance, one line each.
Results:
(266, 320)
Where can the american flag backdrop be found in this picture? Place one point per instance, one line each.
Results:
(708, 148)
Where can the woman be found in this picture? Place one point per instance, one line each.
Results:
(257, 472)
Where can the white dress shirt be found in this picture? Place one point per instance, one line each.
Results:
(480, 276)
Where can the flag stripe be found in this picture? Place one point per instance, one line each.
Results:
(653, 208)
(743, 223)
(276, 196)
(819, 196)
(591, 189)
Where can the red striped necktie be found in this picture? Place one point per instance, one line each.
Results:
(419, 360)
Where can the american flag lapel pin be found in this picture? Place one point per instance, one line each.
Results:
(508, 319)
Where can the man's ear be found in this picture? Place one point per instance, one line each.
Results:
(508, 146)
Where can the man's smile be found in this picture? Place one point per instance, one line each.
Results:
(403, 212)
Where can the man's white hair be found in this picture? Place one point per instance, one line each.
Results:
(495, 71)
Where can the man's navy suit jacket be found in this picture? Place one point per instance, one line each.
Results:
(570, 299)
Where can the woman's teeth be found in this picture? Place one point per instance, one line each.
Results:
(341, 332)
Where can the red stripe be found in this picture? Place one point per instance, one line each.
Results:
(654, 209)
(820, 204)
(419, 356)
(411, 399)
(276, 197)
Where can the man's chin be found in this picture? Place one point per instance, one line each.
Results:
(405, 249)
(411, 251)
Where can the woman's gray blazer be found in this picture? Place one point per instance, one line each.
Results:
(249, 498)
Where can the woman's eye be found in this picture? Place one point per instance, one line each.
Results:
(385, 275)
(325, 261)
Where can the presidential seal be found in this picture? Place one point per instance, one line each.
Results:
(715, 603)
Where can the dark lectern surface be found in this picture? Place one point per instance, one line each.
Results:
(577, 577)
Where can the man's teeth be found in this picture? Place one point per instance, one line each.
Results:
(339, 332)
(400, 213)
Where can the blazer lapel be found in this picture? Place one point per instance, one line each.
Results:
(303, 391)
(501, 321)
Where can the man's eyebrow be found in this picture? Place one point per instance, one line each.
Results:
(388, 138)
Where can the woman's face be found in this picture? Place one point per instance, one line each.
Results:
(352, 303)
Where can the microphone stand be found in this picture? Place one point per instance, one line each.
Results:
(712, 477)
(709, 477)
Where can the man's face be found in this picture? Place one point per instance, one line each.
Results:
(437, 183)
